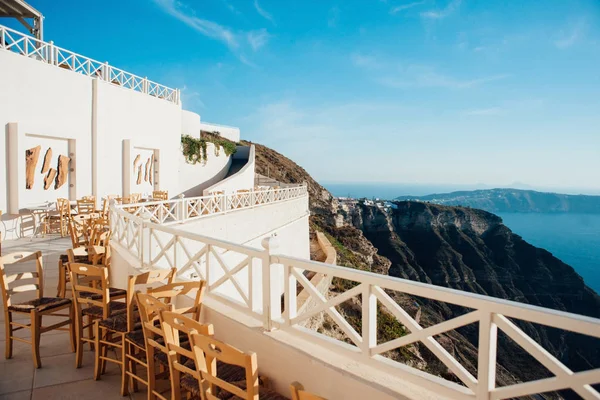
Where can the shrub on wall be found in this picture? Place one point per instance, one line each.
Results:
(194, 149)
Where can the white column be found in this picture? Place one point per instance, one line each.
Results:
(12, 173)
(126, 167)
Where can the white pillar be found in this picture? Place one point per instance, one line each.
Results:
(12, 173)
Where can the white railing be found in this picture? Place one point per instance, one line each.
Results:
(49, 53)
(253, 280)
(184, 209)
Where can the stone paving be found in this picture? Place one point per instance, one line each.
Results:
(57, 378)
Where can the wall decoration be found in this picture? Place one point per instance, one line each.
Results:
(147, 170)
(136, 161)
(139, 175)
(49, 178)
(31, 159)
(47, 160)
(63, 170)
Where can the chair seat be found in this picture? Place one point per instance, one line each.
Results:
(78, 259)
(39, 305)
(230, 373)
(113, 292)
(118, 323)
(114, 308)
(137, 337)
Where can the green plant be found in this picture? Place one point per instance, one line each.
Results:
(193, 149)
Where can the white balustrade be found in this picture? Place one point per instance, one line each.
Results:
(47, 52)
(252, 280)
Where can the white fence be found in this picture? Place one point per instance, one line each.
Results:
(252, 280)
(184, 209)
(49, 53)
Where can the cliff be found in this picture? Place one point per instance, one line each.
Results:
(514, 200)
(457, 247)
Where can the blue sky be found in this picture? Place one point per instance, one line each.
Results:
(431, 91)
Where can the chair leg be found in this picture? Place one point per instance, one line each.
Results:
(61, 280)
(79, 340)
(98, 351)
(36, 322)
(133, 365)
(124, 367)
(151, 372)
(90, 331)
(72, 327)
(9, 340)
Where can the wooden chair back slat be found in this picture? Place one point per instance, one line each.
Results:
(97, 275)
(207, 350)
(85, 206)
(150, 308)
(22, 281)
(174, 326)
(76, 231)
(145, 278)
(170, 291)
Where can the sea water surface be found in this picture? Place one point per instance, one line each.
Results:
(573, 238)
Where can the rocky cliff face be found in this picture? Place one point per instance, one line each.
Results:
(456, 247)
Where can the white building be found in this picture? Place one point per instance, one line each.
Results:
(251, 246)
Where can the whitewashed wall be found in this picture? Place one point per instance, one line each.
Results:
(45, 101)
(249, 226)
(243, 179)
(194, 178)
(150, 123)
(228, 132)
(190, 123)
(89, 118)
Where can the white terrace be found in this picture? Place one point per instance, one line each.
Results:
(250, 243)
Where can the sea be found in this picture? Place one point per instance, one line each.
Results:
(573, 238)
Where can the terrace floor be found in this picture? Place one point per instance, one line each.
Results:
(58, 378)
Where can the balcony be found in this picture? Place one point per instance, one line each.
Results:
(261, 300)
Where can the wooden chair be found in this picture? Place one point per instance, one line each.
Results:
(298, 393)
(85, 206)
(112, 332)
(160, 195)
(58, 222)
(93, 299)
(177, 330)
(20, 282)
(135, 197)
(95, 253)
(206, 351)
(90, 198)
(150, 305)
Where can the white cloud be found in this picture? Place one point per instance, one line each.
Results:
(205, 27)
(258, 39)
(569, 37)
(263, 12)
(239, 42)
(425, 76)
(443, 13)
(403, 7)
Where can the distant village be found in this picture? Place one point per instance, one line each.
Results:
(375, 202)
